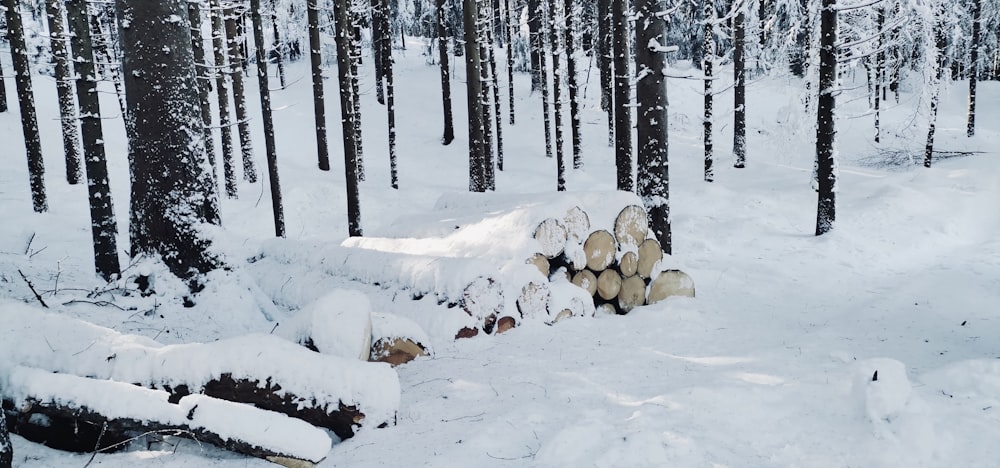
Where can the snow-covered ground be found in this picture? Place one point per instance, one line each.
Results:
(771, 365)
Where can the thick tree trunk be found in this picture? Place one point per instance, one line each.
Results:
(222, 93)
(204, 84)
(319, 108)
(265, 110)
(390, 95)
(236, 69)
(555, 22)
(623, 112)
(708, 60)
(974, 67)
(651, 94)
(64, 89)
(449, 128)
(574, 100)
(740, 90)
(825, 123)
(104, 227)
(344, 39)
(26, 100)
(172, 194)
(477, 158)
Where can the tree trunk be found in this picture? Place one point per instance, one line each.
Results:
(378, 54)
(104, 227)
(798, 59)
(3, 91)
(477, 158)
(278, 47)
(510, 61)
(486, 77)
(825, 123)
(651, 94)
(543, 45)
(497, 112)
(740, 90)
(555, 22)
(26, 99)
(64, 89)
(390, 95)
(974, 67)
(708, 60)
(204, 84)
(879, 71)
(172, 194)
(342, 13)
(449, 129)
(355, 59)
(319, 108)
(535, 22)
(236, 61)
(623, 113)
(6, 449)
(574, 103)
(222, 93)
(265, 111)
(604, 64)
(941, 43)
(103, 56)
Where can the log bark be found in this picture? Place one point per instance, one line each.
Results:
(552, 235)
(600, 248)
(670, 283)
(587, 280)
(650, 255)
(629, 264)
(631, 226)
(609, 284)
(632, 293)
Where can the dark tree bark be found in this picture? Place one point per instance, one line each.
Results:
(26, 100)
(941, 42)
(708, 60)
(103, 55)
(543, 45)
(104, 227)
(172, 194)
(319, 108)
(825, 123)
(355, 59)
(236, 68)
(265, 110)
(604, 64)
(222, 93)
(64, 89)
(486, 77)
(495, 88)
(344, 41)
(390, 96)
(740, 89)
(555, 22)
(278, 47)
(623, 113)
(510, 64)
(974, 67)
(879, 71)
(477, 158)
(571, 16)
(6, 449)
(3, 92)
(378, 52)
(204, 83)
(799, 56)
(651, 131)
(449, 128)
(535, 22)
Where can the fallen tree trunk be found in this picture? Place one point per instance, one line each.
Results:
(80, 414)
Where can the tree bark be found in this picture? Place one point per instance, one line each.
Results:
(941, 42)
(319, 108)
(497, 116)
(879, 71)
(477, 157)
(623, 112)
(535, 22)
(3, 92)
(510, 61)
(6, 449)
(486, 77)
(390, 95)
(344, 41)
(974, 67)
(604, 64)
(204, 83)
(740, 90)
(265, 110)
(556, 21)
(236, 69)
(26, 100)
(355, 59)
(378, 52)
(708, 60)
(104, 227)
(172, 194)
(571, 16)
(278, 47)
(222, 93)
(825, 123)
(64, 89)
(543, 46)
(651, 94)
(449, 128)
(103, 56)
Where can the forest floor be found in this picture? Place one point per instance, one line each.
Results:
(771, 363)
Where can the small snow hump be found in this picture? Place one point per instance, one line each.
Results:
(881, 388)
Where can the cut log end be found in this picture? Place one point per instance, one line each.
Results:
(600, 248)
(551, 235)
(650, 255)
(396, 351)
(609, 283)
(629, 264)
(632, 293)
(541, 262)
(467, 332)
(586, 279)
(670, 283)
(631, 226)
(534, 299)
(505, 324)
(577, 224)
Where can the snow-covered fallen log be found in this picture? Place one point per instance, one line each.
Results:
(81, 414)
(263, 370)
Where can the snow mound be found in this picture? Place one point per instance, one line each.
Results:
(339, 324)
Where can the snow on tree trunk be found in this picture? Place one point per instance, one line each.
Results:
(172, 194)
(940, 43)
(64, 89)
(277, 47)
(622, 79)
(651, 96)
(6, 449)
(477, 158)
(825, 123)
(708, 59)
(497, 116)
(204, 83)
(510, 62)
(442, 43)
(974, 67)
(265, 109)
(555, 22)
(543, 41)
(486, 91)
(739, 90)
(104, 227)
(535, 22)
(572, 16)
(222, 93)
(26, 99)
(879, 70)
(390, 94)
(604, 64)
(3, 92)
(342, 14)
(316, 60)
(378, 53)
(236, 68)
(354, 55)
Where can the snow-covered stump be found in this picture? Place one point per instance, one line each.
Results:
(326, 391)
(80, 414)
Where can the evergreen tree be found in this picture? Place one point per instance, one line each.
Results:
(739, 88)
(825, 124)
(572, 15)
(54, 12)
(449, 128)
(265, 109)
(390, 95)
(319, 107)
(204, 82)
(26, 100)
(237, 66)
(555, 22)
(708, 60)
(344, 39)
(974, 66)
(938, 56)
(477, 157)
(651, 131)
(222, 93)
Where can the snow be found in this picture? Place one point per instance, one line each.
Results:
(766, 367)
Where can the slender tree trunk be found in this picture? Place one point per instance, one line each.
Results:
(104, 227)
(555, 20)
(6, 449)
(3, 91)
(222, 94)
(485, 50)
(825, 123)
(64, 89)
(651, 131)
(26, 99)
(510, 62)
(204, 83)
(623, 112)
(939, 56)
(342, 13)
(574, 103)
(171, 188)
(708, 59)
(535, 22)
(355, 51)
(604, 64)
(799, 56)
(879, 71)
(740, 89)
(378, 55)
(449, 128)
(390, 95)
(543, 44)
(477, 158)
(495, 87)
(236, 61)
(265, 110)
(103, 55)
(277, 46)
(319, 108)
(974, 67)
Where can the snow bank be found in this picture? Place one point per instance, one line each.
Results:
(339, 323)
